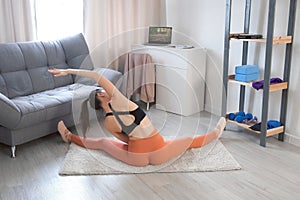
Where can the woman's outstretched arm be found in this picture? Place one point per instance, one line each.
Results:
(108, 86)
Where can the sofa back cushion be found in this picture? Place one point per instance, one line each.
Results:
(36, 66)
(55, 57)
(24, 65)
(15, 79)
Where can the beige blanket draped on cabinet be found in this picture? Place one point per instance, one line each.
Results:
(139, 76)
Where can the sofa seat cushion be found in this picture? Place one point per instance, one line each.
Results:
(49, 104)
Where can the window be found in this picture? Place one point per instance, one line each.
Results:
(58, 18)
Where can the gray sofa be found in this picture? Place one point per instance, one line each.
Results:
(32, 101)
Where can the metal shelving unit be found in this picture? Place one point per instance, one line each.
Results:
(270, 40)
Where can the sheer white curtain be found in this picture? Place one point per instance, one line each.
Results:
(56, 19)
(112, 26)
(17, 21)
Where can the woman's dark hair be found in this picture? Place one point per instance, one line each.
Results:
(84, 114)
(94, 101)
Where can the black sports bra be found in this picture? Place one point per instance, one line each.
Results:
(138, 114)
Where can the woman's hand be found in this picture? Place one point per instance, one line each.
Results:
(58, 72)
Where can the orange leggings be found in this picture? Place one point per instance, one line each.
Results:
(144, 145)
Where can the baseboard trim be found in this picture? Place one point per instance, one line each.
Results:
(212, 109)
(289, 138)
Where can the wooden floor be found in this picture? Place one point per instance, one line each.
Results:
(267, 173)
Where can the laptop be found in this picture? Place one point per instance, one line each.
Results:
(159, 36)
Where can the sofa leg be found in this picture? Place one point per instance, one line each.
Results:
(13, 151)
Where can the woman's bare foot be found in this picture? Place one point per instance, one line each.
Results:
(64, 132)
(220, 127)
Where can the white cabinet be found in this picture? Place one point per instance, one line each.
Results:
(180, 78)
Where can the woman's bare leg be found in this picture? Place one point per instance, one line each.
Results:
(64, 132)
(202, 140)
(116, 149)
(175, 148)
(68, 137)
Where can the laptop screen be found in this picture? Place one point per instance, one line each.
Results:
(160, 35)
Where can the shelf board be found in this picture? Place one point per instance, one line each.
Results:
(273, 87)
(276, 40)
(270, 132)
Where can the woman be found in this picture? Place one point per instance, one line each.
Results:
(141, 143)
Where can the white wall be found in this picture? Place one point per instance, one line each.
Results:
(201, 23)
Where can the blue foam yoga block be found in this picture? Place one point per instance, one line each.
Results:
(246, 69)
(246, 77)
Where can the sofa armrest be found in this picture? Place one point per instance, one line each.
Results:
(10, 114)
(113, 75)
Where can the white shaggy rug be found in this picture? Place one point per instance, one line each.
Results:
(212, 157)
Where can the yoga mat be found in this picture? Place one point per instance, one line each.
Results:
(212, 157)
